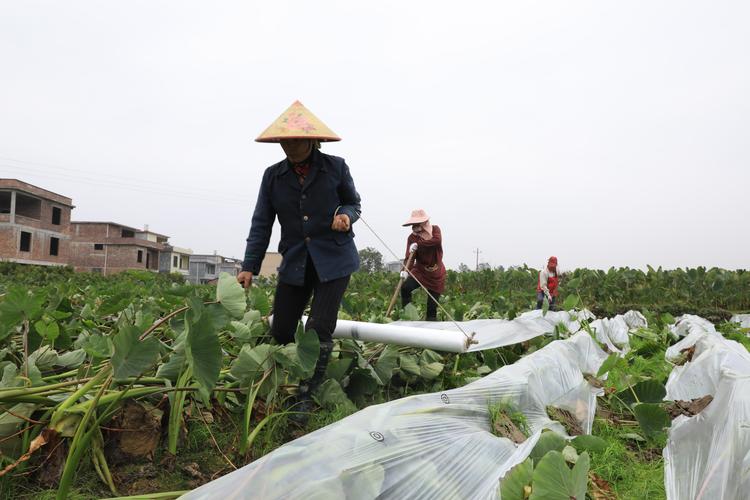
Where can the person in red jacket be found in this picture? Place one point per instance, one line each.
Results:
(548, 283)
(428, 265)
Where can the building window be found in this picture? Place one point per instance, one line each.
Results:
(25, 241)
(5, 202)
(127, 233)
(140, 255)
(98, 246)
(28, 206)
(175, 261)
(56, 216)
(54, 246)
(210, 269)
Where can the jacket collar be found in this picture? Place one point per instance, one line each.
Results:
(316, 163)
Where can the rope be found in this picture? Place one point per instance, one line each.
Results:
(469, 338)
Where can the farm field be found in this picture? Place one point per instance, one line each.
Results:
(138, 384)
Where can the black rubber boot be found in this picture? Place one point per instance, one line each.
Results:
(305, 403)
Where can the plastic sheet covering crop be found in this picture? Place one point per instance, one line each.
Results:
(708, 455)
(613, 332)
(742, 319)
(427, 446)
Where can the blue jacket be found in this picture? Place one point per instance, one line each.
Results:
(305, 214)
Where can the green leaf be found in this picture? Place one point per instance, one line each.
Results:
(514, 483)
(571, 302)
(545, 307)
(49, 330)
(387, 362)
(652, 417)
(608, 364)
(231, 295)
(410, 313)
(361, 383)
(408, 364)
(131, 356)
(548, 441)
(251, 363)
(330, 394)
(17, 305)
(44, 357)
(203, 354)
(72, 359)
(431, 370)
(553, 479)
(429, 356)
(259, 301)
(592, 444)
(98, 346)
(337, 368)
(308, 350)
(173, 367)
(241, 331)
(647, 391)
(633, 436)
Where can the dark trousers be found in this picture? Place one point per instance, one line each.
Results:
(406, 290)
(540, 301)
(290, 302)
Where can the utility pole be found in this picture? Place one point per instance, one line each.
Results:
(477, 252)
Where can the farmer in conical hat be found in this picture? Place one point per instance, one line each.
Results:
(427, 240)
(314, 198)
(548, 283)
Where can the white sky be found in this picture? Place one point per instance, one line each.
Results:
(606, 133)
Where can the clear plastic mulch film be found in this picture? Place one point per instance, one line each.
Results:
(742, 319)
(613, 332)
(708, 455)
(427, 446)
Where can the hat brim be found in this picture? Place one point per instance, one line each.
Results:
(415, 220)
(280, 138)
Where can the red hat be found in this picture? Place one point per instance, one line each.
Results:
(552, 259)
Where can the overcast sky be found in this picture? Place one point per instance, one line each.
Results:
(606, 133)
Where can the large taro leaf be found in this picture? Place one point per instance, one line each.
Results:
(554, 480)
(387, 362)
(308, 350)
(203, 353)
(548, 441)
(173, 367)
(132, 356)
(251, 363)
(409, 366)
(330, 394)
(571, 302)
(338, 368)
(71, 359)
(517, 482)
(17, 305)
(590, 443)
(652, 417)
(361, 383)
(431, 370)
(647, 391)
(98, 346)
(231, 295)
(410, 313)
(259, 301)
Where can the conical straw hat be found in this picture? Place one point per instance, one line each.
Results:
(297, 122)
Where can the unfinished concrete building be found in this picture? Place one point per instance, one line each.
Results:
(34, 224)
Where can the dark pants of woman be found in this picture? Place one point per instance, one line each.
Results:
(540, 301)
(406, 290)
(290, 303)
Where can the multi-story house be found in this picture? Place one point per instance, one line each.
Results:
(34, 224)
(206, 268)
(108, 247)
(175, 260)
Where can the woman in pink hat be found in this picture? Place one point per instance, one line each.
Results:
(428, 266)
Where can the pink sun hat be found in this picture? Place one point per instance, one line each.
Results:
(418, 216)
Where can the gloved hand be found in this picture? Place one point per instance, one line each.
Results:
(413, 247)
(404, 275)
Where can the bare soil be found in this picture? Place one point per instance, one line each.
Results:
(688, 408)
